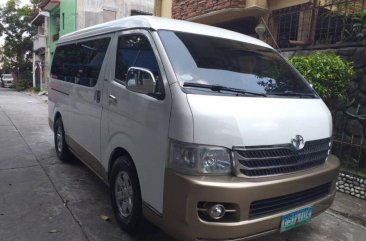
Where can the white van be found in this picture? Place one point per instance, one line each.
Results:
(7, 80)
(208, 133)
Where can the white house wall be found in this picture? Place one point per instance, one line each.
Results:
(146, 6)
(90, 12)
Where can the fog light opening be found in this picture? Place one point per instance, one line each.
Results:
(217, 211)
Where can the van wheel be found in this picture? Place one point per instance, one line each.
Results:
(126, 194)
(62, 150)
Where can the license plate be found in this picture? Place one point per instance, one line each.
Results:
(296, 218)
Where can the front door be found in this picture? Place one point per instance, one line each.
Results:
(138, 122)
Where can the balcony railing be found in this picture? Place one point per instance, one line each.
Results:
(39, 42)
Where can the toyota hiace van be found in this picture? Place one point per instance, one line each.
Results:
(7, 80)
(207, 133)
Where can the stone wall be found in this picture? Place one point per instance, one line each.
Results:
(186, 9)
(352, 185)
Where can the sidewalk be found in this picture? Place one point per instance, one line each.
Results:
(30, 207)
(350, 207)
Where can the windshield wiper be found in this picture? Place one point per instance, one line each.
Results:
(220, 88)
(294, 93)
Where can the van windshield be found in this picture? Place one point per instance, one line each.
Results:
(7, 76)
(228, 66)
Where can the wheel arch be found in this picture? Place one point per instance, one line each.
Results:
(55, 118)
(117, 152)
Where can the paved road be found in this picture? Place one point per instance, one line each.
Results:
(44, 199)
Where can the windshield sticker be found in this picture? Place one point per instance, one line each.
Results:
(186, 77)
(204, 82)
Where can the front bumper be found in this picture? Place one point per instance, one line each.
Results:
(183, 193)
(8, 84)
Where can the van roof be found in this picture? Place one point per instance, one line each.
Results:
(158, 23)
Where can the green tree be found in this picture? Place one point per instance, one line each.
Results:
(17, 50)
(35, 3)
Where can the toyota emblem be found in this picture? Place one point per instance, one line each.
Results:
(298, 142)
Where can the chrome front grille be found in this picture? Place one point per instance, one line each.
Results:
(281, 159)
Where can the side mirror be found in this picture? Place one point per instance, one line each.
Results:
(140, 80)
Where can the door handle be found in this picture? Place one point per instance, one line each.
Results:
(97, 96)
(112, 98)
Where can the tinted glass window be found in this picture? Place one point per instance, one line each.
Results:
(80, 63)
(7, 76)
(216, 61)
(136, 51)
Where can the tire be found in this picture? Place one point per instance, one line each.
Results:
(61, 147)
(126, 195)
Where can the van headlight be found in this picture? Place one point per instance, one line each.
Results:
(199, 159)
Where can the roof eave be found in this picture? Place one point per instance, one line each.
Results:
(39, 18)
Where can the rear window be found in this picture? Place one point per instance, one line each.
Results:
(209, 60)
(80, 63)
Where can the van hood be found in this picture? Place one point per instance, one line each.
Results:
(252, 121)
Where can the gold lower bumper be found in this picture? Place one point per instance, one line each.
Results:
(182, 194)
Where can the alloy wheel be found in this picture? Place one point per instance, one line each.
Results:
(124, 194)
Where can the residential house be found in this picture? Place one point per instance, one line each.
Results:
(39, 19)
(287, 23)
(55, 18)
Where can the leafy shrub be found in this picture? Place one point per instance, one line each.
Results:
(25, 80)
(330, 75)
(358, 30)
(36, 89)
(22, 85)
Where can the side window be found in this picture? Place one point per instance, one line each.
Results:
(136, 51)
(80, 63)
(65, 62)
